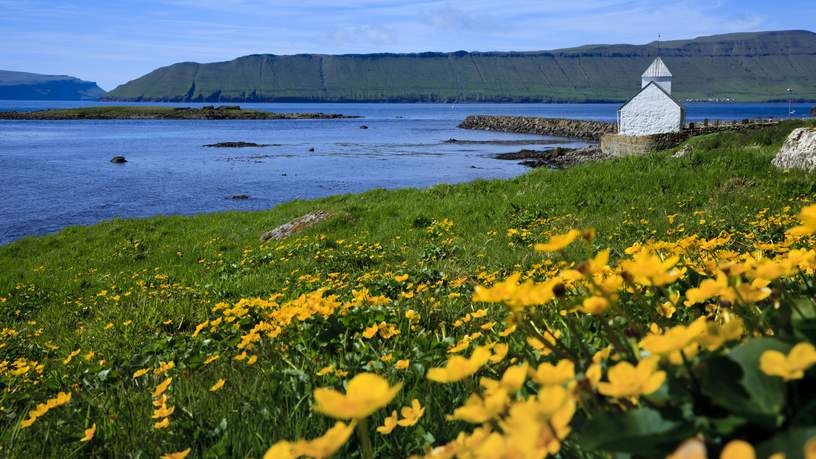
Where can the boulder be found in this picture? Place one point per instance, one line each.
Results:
(799, 151)
(683, 151)
(118, 160)
(364, 127)
(239, 197)
(296, 226)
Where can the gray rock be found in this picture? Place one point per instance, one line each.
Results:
(799, 151)
(687, 149)
(296, 226)
(118, 160)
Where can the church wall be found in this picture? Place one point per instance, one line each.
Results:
(650, 112)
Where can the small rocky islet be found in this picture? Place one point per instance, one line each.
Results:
(225, 112)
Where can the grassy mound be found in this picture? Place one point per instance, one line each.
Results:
(172, 333)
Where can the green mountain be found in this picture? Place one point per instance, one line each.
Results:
(32, 86)
(745, 66)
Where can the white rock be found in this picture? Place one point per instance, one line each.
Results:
(799, 151)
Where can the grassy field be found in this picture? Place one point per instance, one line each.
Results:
(109, 313)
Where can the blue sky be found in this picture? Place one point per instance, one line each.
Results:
(115, 41)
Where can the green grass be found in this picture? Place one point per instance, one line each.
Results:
(55, 280)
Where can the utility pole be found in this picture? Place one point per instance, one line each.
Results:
(790, 102)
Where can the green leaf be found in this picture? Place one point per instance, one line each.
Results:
(643, 432)
(790, 442)
(737, 384)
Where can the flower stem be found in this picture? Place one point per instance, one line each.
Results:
(364, 439)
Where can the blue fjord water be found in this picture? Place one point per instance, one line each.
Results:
(58, 173)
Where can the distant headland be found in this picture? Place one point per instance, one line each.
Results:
(33, 86)
(742, 67)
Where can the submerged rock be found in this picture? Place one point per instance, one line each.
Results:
(239, 197)
(236, 145)
(118, 160)
(364, 127)
(296, 226)
(799, 151)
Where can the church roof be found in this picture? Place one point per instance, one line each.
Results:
(658, 69)
(661, 90)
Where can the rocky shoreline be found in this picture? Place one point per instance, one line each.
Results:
(228, 112)
(556, 158)
(575, 129)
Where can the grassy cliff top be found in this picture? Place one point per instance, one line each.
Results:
(745, 67)
(109, 312)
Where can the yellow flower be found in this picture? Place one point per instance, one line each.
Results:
(163, 424)
(808, 218)
(252, 360)
(108, 325)
(710, 288)
(649, 269)
(517, 295)
(140, 373)
(558, 242)
(627, 381)
(389, 424)
(211, 359)
(716, 335)
(163, 411)
(499, 352)
(280, 450)
(477, 410)
(401, 278)
(552, 375)
(595, 305)
(411, 414)
(70, 356)
(89, 434)
(738, 449)
(459, 368)
(792, 366)
(402, 364)
(690, 449)
(327, 445)
(366, 393)
(162, 387)
(218, 385)
(810, 449)
(371, 331)
(325, 370)
(177, 455)
(680, 339)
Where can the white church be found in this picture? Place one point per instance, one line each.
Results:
(653, 110)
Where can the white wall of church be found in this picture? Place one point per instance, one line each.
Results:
(650, 112)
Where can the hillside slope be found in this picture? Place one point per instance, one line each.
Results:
(173, 334)
(748, 66)
(33, 86)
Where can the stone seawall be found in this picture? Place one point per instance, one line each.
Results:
(620, 145)
(576, 129)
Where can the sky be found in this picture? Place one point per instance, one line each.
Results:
(114, 41)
